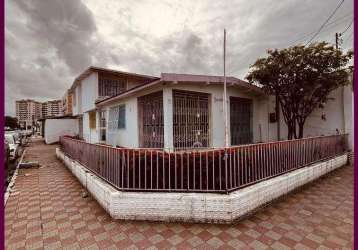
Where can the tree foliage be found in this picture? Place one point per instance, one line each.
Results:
(301, 77)
(11, 122)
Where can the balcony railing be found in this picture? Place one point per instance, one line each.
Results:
(211, 170)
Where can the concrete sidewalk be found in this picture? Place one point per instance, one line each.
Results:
(46, 210)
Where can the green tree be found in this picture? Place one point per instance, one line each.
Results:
(301, 78)
(11, 122)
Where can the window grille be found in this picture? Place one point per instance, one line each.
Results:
(151, 120)
(102, 125)
(109, 86)
(191, 119)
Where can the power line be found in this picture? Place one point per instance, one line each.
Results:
(347, 28)
(326, 28)
(339, 40)
(325, 22)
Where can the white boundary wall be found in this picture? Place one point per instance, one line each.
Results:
(54, 128)
(195, 207)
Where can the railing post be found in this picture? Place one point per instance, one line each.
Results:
(226, 174)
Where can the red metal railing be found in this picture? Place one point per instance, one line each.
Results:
(211, 170)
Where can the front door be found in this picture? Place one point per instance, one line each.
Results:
(240, 120)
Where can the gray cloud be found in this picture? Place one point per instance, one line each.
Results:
(67, 26)
(48, 43)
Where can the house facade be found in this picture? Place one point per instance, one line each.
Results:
(182, 111)
(95, 84)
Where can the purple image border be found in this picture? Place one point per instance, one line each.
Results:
(2, 107)
(355, 88)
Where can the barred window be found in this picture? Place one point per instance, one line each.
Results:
(111, 86)
(117, 117)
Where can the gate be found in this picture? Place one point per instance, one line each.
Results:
(190, 119)
(240, 120)
(151, 123)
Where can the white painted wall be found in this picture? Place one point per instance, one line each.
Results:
(217, 115)
(54, 128)
(168, 117)
(338, 113)
(89, 92)
(77, 102)
(348, 114)
(127, 137)
(90, 135)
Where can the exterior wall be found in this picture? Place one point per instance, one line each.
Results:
(217, 115)
(348, 114)
(54, 128)
(131, 83)
(168, 117)
(259, 119)
(90, 134)
(338, 113)
(77, 100)
(89, 92)
(127, 137)
(67, 103)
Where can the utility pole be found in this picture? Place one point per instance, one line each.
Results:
(224, 97)
(338, 40)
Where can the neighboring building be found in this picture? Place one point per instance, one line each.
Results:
(95, 84)
(179, 111)
(52, 128)
(28, 112)
(51, 108)
(67, 103)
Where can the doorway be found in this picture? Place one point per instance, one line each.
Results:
(240, 120)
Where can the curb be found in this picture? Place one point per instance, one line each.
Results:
(13, 178)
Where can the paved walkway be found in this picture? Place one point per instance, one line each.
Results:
(46, 210)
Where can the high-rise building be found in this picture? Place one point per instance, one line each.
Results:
(28, 112)
(51, 108)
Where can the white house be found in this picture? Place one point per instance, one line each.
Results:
(184, 111)
(95, 84)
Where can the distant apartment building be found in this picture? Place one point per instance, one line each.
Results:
(28, 112)
(51, 108)
(67, 103)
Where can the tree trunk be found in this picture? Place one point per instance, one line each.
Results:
(291, 127)
(300, 130)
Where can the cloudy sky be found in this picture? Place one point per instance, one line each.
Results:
(49, 43)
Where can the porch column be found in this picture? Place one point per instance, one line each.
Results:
(168, 117)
